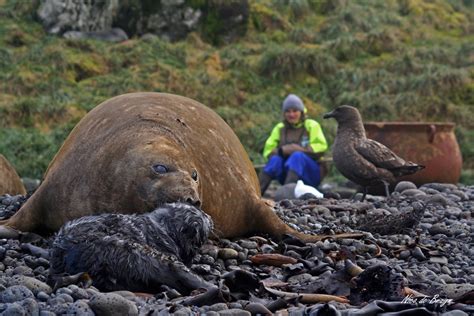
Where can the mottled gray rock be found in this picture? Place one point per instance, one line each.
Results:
(33, 284)
(299, 278)
(111, 304)
(80, 307)
(59, 16)
(218, 307)
(249, 244)
(30, 306)
(439, 229)
(15, 293)
(14, 309)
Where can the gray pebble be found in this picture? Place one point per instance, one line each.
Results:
(80, 307)
(15, 293)
(436, 199)
(231, 262)
(30, 306)
(207, 259)
(110, 304)
(249, 244)
(201, 268)
(404, 254)
(33, 284)
(460, 194)
(234, 312)
(418, 254)
(243, 255)
(439, 229)
(42, 296)
(23, 270)
(453, 211)
(65, 297)
(184, 311)
(235, 305)
(218, 307)
(299, 278)
(14, 309)
(404, 185)
(440, 260)
(64, 290)
(413, 192)
(228, 253)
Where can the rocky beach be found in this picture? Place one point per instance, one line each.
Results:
(417, 259)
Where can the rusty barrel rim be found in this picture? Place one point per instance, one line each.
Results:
(440, 126)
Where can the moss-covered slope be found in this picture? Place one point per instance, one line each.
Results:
(395, 60)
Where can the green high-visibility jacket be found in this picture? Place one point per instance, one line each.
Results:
(316, 138)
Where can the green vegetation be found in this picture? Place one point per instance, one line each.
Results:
(395, 60)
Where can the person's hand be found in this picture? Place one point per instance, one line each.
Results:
(288, 149)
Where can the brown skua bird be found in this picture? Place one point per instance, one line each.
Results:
(363, 160)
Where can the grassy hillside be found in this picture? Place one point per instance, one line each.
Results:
(395, 60)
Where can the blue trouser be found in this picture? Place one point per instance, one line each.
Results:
(306, 168)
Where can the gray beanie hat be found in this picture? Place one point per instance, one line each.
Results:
(292, 101)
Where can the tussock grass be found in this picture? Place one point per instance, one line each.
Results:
(289, 62)
(395, 60)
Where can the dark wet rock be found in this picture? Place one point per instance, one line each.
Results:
(33, 284)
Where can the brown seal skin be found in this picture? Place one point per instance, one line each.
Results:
(10, 182)
(107, 165)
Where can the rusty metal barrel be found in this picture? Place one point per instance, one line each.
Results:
(433, 145)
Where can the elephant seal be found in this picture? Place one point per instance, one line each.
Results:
(10, 182)
(139, 150)
(134, 252)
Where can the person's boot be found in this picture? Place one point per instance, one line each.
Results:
(264, 179)
(291, 177)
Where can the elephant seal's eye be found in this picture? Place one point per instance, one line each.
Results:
(160, 169)
(194, 175)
